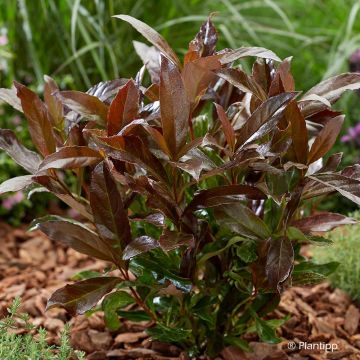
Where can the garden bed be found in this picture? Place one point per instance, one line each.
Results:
(32, 267)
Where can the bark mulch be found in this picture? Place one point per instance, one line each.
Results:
(31, 266)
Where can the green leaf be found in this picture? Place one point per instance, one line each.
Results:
(294, 233)
(169, 334)
(241, 220)
(162, 272)
(238, 342)
(323, 269)
(136, 315)
(85, 274)
(209, 255)
(80, 297)
(111, 304)
(265, 331)
(246, 251)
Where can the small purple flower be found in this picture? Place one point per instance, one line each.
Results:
(3, 40)
(345, 138)
(16, 120)
(12, 200)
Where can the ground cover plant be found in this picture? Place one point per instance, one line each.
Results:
(195, 180)
(31, 344)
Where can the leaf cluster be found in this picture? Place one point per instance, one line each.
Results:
(195, 180)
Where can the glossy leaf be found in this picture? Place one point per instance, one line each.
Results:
(80, 297)
(298, 132)
(107, 205)
(170, 240)
(164, 333)
(63, 194)
(322, 222)
(10, 97)
(266, 332)
(242, 81)
(325, 139)
(75, 235)
(86, 105)
(222, 195)
(263, 114)
(71, 157)
(152, 36)
(39, 120)
(150, 57)
(26, 158)
(331, 89)
(53, 104)
(113, 302)
(16, 184)
(124, 108)
(279, 261)
(227, 127)
(139, 245)
(174, 107)
(243, 52)
(197, 75)
(204, 42)
(283, 80)
(241, 220)
(131, 149)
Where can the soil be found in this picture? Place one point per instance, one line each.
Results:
(32, 267)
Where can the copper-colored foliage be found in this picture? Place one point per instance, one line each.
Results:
(228, 159)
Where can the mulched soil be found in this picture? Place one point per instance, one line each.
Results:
(31, 266)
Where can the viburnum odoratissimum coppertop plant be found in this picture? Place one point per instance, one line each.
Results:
(196, 181)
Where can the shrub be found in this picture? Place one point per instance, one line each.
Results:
(345, 251)
(198, 187)
(31, 345)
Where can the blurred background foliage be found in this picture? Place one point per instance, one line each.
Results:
(79, 44)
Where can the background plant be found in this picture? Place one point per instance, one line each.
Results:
(344, 250)
(196, 181)
(87, 38)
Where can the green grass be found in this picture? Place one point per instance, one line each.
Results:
(79, 41)
(345, 250)
(79, 44)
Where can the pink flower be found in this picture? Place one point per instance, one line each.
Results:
(12, 200)
(16, 120)
(3, 40)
